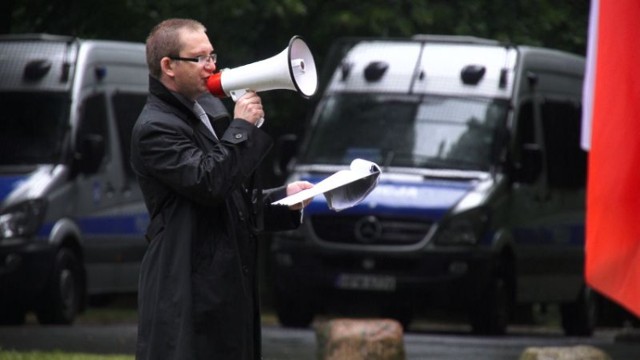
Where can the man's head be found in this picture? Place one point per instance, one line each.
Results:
(180, 55)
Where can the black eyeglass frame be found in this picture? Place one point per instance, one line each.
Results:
(213, 57)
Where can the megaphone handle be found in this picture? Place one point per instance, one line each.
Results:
(237, 94)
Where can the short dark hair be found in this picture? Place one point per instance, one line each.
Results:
(164, 40)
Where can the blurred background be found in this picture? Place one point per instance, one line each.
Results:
(244, 31)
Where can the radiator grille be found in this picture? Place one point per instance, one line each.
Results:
(370, 230)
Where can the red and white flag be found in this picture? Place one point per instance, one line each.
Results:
(612, 132)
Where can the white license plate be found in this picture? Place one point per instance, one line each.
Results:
(366, 282)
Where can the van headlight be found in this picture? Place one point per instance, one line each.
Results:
(463, 229)
(22, 219)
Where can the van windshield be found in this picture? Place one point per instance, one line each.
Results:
(407, 131)
(32, 127)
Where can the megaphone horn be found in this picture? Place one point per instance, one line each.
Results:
(292, 69)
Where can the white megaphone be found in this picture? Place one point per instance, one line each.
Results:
(292, 69)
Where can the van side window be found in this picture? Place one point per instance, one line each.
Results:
(526, 127)
(93, 125)
(566, 161)
(127, 107)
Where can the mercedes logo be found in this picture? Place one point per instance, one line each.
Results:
(368, 229)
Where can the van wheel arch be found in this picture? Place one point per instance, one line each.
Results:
(75, 246)
(64, 297)
(579, 318)
(492, 309)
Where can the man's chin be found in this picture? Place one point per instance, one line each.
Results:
(204, 88)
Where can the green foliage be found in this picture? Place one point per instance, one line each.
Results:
(248, 28)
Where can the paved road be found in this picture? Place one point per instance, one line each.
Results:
(288, 344)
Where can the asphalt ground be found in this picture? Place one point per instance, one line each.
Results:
(425, 340)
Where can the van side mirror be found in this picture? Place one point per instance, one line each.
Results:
(91, 151)
(530, 166)
(285, 150)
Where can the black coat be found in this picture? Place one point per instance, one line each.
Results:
(198, 296)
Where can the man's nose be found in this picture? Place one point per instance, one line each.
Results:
(210, 66)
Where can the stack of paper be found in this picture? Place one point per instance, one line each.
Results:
(343, 189)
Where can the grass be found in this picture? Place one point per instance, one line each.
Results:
(121, 310)
(57, 355)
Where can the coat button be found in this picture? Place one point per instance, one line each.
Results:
(238, 136)
(245, 270)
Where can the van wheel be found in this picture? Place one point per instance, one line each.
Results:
(579, 317)
(12, 314)
(401, 311)
(490, 313)
(293, 311)
(61, 300)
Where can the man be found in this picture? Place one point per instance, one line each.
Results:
(198, 295)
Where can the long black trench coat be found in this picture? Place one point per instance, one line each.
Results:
(198, 295)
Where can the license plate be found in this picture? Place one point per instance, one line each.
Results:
(366, 282)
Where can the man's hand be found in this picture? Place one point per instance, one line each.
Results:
(249, 107)
(294, 188)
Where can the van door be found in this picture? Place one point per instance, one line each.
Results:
(547, 213)
(127, 105)
(99, 191)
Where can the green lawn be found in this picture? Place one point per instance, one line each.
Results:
(57, 355)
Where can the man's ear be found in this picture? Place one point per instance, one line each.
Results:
(167, 67)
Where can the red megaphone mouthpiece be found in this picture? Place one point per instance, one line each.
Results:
(214, 84)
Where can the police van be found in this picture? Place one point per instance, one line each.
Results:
(72, 216)
(480, 205)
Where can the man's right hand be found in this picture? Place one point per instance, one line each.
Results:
(249, 108)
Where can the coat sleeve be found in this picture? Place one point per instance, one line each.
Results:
(194, 166)
(279, 217)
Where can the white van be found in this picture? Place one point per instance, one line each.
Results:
(72, 216)
(480, 206)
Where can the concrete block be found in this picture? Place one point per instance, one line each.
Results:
(360, 339)
(579, 352)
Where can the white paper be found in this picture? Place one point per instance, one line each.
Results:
(343, 189)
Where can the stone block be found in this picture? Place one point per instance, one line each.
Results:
(579, 352)
(360, 339)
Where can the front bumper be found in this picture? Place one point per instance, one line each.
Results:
(25, 267)
(447, 276)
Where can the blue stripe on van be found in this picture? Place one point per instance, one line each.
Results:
(9, 183)
(125, 225)
(122, 225)
(571, 233)
(134, 224)
(429, 199)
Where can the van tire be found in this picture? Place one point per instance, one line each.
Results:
(293, 311)
(62, 298)
(579, 317)
(401, 311)
(490, 312)
(12, 315)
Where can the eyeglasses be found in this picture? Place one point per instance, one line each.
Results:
(213, 57)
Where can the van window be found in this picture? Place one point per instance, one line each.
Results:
(94, 121)
(127, 107)
(526, 130)
(566, 161)
(407, 130)
(32, 127)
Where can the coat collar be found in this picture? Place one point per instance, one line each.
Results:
(214, 108)
(157, 89)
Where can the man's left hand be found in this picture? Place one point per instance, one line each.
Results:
(294, 188)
